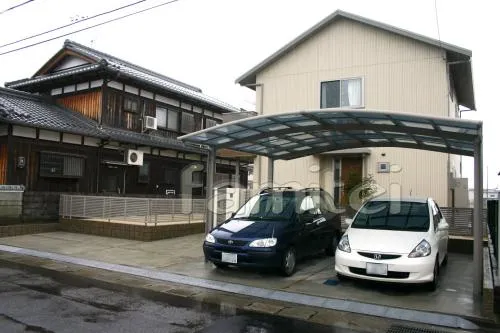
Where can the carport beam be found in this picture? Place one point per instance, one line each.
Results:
(270, 171)
(478, 216)
(210, 189)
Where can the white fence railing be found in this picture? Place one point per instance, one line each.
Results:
(151, 211)
(132, 209)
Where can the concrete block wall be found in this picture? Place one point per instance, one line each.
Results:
(11, 206)
(40, 206)
(26, 229)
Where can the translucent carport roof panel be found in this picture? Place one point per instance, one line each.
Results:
(291, 135)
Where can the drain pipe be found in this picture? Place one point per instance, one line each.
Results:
(260, 113)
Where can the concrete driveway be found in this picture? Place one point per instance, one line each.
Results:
(184, 256)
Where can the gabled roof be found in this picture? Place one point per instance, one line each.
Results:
(462, 75)
(31, 110)
(100, 60)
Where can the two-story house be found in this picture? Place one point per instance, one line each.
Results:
(90, 122)
(348, 61)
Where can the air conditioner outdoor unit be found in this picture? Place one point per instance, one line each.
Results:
(150, 122)
(134, 157)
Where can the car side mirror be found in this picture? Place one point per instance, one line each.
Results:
(443, 227)
(233, 214)
(348, 221)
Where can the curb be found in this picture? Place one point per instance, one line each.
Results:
(197, 297)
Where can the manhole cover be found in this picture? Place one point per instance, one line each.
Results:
(409, 329)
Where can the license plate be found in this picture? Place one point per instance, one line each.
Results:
(231, 258)
(376, 269)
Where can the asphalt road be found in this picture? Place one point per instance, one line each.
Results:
(34, 303)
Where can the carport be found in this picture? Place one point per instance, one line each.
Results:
(292, 135)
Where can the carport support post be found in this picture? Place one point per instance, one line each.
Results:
(478, 216)
(237, 175)
(210, 189)
(270, 171)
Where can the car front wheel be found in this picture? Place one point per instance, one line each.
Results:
(289, 262)
(434, 284)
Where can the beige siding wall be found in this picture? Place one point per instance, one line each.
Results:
(326, 173)
(399, 75)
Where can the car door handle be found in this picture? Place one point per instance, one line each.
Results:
(319, 220)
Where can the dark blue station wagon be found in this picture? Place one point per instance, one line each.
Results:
(275, 228)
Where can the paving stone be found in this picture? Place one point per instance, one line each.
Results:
(350, 321)
(300, 312)
(224, 300)
(182, 292)
(264, 307)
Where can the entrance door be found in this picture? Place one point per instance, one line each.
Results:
(347, 174)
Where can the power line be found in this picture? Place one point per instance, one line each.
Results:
(73, 23)
(16, 6)
(437, 21)
(90, 27)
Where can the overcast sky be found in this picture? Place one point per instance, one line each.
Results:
(209, 43)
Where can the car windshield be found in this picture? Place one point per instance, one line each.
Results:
(276, 206)
(393, 215)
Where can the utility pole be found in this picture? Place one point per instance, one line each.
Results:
(487, 185)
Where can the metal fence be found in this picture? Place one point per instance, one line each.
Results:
(460, 221)
(132, 210)
(151, 211)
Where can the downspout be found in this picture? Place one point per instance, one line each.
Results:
(448, 76)
(448, 171)
(261, 112)
(449, 64)
(104, 97)
(98, 168)
(104, 100)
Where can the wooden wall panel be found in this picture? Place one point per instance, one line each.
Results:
(30, 175)
(115, 116)
(164, 172)
(112, 112)
(87, 103)
(3, 163)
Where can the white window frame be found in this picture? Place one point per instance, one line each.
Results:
(361, 106)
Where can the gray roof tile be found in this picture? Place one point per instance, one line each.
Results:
(37, 111)
(128, 69)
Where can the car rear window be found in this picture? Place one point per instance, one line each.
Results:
(393, 215)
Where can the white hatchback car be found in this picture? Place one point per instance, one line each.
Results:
(395, 240)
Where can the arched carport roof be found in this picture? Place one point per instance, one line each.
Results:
(291, 135)
(296, 134)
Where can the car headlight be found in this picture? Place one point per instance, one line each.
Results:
(210, 239)
(344, 244)
(423, 249)
(266, 242)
